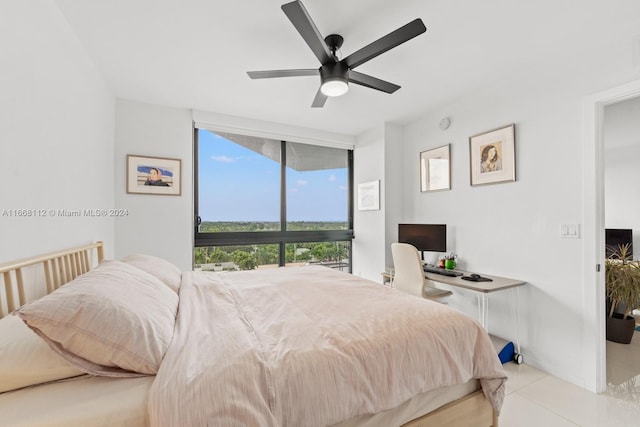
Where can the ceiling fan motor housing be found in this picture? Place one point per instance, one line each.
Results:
(333, 71)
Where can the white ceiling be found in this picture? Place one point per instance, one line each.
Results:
(195, 53)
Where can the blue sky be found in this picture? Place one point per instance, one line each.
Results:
(237, 184)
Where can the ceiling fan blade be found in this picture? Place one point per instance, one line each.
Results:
(391, 40)
(319, 100)
(300, 19)
(372, 82)
(282, 73)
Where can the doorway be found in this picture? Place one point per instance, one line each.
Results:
(594, 248)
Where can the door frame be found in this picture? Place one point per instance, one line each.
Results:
(594, 337)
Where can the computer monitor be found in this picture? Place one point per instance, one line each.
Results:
(616, 237)
(425, 237)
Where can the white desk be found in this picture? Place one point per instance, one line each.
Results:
(484, 289)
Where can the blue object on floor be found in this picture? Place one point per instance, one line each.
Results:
(638, 328)
(507, 353)
(506, 350)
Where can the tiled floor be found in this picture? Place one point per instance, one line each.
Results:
(536, 399)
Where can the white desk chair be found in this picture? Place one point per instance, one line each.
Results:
(409, 276)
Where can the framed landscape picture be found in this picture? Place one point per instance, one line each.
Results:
(435, 173)
(492, 156)
(153, 175)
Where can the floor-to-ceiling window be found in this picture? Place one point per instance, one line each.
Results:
(262, 203)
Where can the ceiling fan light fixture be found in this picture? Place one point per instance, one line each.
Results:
(334, 79)
(334, 87)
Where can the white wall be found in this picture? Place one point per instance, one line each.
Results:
(163, 225)
(155, 225)
(622, 174)
(512, 229)
(394, 185)
(378, 156)
(369, 226)
(56, 134)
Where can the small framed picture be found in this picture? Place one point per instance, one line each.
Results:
(492, 156)
(435, 169)
(153, 175)
(369, 196)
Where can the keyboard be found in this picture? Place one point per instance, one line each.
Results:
(441, 271)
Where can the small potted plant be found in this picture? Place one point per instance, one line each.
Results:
(622, 280)
(450, 260)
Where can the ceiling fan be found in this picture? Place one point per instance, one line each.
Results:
(335, 74)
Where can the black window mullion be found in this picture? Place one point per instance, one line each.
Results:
(283, 198)
(265, 237)
(350, 207)
(196, 212)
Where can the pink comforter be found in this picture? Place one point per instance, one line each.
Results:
(309, 346)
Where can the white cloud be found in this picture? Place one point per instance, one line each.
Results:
(302, 182)
(343, 187)
(332, 178)
(223, 159)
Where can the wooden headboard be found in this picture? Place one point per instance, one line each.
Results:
(58, 267)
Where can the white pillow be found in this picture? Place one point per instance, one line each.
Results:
(115, 320)
(167, 272)
(25, 359)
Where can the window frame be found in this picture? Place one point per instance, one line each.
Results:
(282, 237)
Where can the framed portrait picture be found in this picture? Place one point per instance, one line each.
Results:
(369, 196)
(492, 156)
(153, 175)
(435, 169)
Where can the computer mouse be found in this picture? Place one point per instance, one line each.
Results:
(475, 275)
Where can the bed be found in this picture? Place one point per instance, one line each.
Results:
(136, 342)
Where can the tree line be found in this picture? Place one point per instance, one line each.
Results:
(249, 257)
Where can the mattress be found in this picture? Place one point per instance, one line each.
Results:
(414, 408)
(100, 402)
(79, 402)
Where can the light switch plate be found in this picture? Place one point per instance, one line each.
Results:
(570, 231)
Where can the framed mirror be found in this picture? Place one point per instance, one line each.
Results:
(435, 169)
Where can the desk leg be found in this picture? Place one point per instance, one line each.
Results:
(518, 356)
(483, 307)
